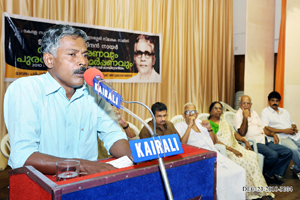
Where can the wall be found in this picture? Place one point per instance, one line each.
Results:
(292, 60)
(259, 53)
(239, 25)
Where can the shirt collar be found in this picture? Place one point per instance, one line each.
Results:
(272, 110)
(151, 122)
(53, 86)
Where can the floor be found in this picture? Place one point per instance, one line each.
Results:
(4, 184)
(290, 182)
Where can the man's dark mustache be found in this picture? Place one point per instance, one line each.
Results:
(274, 104)
(81, 70)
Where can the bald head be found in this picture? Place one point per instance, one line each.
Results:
(245, 102)
(245, 97)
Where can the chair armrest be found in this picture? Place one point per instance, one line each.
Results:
(241, 143)
(271, 138)
(250, 141)
(253, 144)
(221, 148)
(279, 138)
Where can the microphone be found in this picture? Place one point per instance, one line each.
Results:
(90, 74)
(93, 73)
(95, 78)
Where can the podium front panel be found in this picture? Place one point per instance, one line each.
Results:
(191, 175)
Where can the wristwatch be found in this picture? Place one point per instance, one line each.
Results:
(126, 126)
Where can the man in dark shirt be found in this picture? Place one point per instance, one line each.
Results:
(163, 127)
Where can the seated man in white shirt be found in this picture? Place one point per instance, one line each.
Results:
(230, 177)
(277, 157)
(278, 120)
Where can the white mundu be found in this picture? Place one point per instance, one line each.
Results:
(230, 177)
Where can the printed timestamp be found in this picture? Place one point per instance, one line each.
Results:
(268, 189)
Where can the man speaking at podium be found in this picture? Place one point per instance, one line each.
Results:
(55, 116)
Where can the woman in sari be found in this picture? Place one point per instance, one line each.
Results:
(245, 157)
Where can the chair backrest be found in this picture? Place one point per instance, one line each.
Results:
(203, 116)
(5, 146)
(135, 130)
(227, 107)
(177, 118)
(146, 120)
(237, 99)
(228, 116)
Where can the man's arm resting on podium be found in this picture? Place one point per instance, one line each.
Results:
(47, 163)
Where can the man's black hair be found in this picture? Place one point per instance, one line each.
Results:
(275, 95)
(158, 106)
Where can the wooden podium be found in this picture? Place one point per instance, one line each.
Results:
(192, 175)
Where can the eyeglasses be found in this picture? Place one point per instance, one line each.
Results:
(188, 112)
(147, 54)
(217, 108)
(246, 103)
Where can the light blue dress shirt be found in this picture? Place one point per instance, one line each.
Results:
(40, 118)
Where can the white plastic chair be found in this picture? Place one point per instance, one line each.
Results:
(135, 130)
(237, 99)
(222, 149)
(177, 118)
(228, 116)
(227, 107)
(203, 116)
(5, 146)
(146, 120)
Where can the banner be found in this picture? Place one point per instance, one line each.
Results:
(121, 55)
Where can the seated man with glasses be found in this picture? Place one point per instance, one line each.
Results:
(231, 178)
(277, 157)
(163, 127)
(144, 59)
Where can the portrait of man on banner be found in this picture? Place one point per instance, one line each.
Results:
(145, 59)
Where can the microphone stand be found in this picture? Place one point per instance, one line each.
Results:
(160, 160)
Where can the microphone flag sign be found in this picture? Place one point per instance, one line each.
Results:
(155, 147)
(107, 93)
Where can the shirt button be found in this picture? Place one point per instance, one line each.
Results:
(70, 124)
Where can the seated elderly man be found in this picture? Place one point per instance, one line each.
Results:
(231, 178)
(277, 157)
